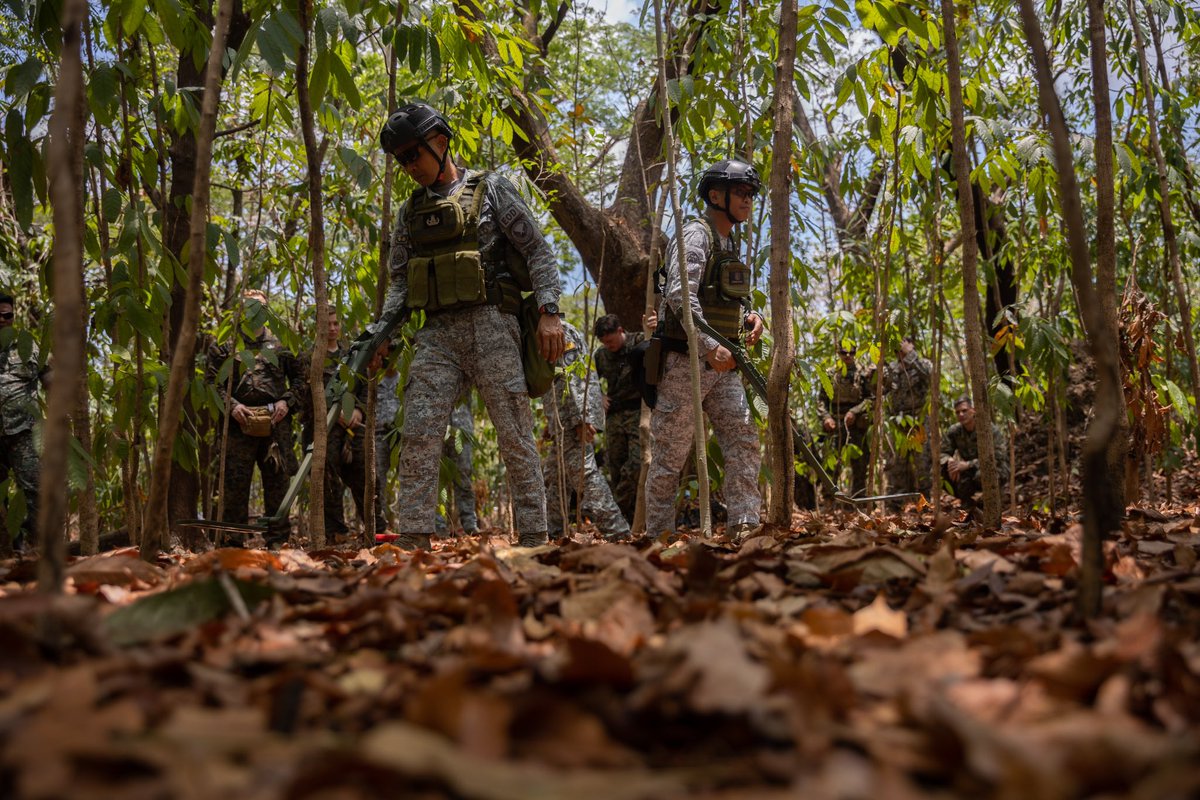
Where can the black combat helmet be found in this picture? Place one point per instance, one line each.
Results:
(727, 173)
(410, 123)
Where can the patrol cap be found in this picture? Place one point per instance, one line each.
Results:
(731, 171)
(412, 122)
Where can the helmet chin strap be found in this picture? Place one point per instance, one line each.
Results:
(725, 208)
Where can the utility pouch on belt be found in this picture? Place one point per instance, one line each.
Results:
(539, 373)
(258, 422)
(646, 365)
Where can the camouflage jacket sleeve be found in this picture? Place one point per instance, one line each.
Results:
(217, 355)
(294, 371)
(824, 403)
(867, 385)
(521, 228)
(1001, 442)
(397, 293)
(950, 442)
(696, 246)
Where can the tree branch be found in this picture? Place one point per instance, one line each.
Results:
(238, 129)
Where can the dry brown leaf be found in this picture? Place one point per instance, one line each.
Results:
(879, 616)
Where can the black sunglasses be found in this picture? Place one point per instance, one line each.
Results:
(409, 156)
(7, 314)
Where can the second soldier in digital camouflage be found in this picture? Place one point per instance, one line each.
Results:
(463, 245)
(960, 454)
(21, 372)
(571, 464)
(908, 467)
(259, 398)
(623, 409)
(845, 411)
(720, 289)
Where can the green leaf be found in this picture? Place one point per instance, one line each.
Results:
(22, 78)
(20, 167)
(131, 20)
(112, 204)
(345, 81)
(179, 610)
(318, 79)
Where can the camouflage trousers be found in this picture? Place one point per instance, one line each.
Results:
(461, 488)
(19, 458)
(276, 460)
(385, 439)
(908, 466)
(858, 437)
(579, 468)
(346, 468)
(476, 346)
(673, 433)
(623, 447)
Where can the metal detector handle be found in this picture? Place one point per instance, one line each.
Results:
(759, 385)
(361, 353)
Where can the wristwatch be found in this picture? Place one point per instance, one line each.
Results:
(548, 308)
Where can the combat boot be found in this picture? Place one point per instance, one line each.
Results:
(532, 539)
(413, 541)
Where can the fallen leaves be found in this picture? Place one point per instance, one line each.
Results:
(849, 657)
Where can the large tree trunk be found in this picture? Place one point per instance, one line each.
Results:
(1164, 203)
(316, 248)
(780, 454)
(66, 195)
(1106, 247)
(155, 527)
(971, 323)
(1100, 514)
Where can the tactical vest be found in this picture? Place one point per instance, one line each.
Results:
(724, 285)
(847, 389)
(446, 268)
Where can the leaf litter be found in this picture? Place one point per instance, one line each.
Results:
(846, 657)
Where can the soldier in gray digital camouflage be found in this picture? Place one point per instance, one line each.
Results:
(907, 379)
(387, 435)
(845, 411)
(459, 451)
(571, 464)
(960, 454)
(622, 409)
(259, 398)
(464, 247)
(345, 460)
(719, 284)
(21, 373)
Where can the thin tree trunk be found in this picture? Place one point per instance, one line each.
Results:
(780, 454)
(155, 527)
(932, 422)
(1164, 202)
(1100, 513)
(66, 194)
(971, 311)
(316, 246)
(681, 265)
(1106, 244)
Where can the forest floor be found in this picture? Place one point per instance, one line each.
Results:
(849, 657)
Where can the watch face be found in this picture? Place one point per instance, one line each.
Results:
(550, 308)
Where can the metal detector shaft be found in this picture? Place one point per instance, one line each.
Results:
(759, 385)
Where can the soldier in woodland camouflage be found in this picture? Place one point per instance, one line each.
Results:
(263, 395)
(622, 409)
(719, 290)
(345, 464)
(846, 414)
(459, 451)
(21, 371)
(456, 250)
(960, 454)
(908, 380)
(572, 458)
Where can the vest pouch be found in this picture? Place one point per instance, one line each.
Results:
(435, 222)
(419, 282)
(734, 279)
(459, 279)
